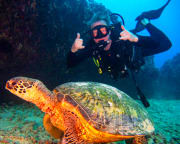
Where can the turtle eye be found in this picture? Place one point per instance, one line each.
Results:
(14, 83)
(95, 32)
(103, 30)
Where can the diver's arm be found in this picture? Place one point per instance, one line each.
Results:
(155, 43)
(74, 58)
(78, 52)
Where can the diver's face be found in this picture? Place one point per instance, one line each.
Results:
(102, 29)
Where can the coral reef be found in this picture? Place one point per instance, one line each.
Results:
(16, 27)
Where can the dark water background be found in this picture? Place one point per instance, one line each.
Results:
(35, 37)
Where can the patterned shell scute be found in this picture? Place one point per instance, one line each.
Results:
(109, 109)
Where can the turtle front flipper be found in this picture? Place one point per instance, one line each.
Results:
(71, 137)
(51, 129)
(72, 133)
(137, 140)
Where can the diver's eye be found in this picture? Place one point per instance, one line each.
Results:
(95, 33)
(103, 30)
(13, 83)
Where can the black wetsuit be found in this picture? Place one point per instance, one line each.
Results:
(122, 54)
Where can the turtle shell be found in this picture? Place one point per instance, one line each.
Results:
(109, 109)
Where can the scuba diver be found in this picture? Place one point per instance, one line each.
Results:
(116, 50)
(113, 54)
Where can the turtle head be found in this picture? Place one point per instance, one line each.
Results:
(25, 88)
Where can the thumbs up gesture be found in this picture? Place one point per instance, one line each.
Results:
(127, 35)
(78, 44)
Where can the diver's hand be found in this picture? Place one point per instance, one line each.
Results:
(145, 21)
(78, 44)
(127, 35)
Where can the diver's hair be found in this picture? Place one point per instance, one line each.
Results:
(98, 17)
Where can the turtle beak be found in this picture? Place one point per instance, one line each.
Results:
(8, 85)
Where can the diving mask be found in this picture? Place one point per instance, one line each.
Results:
(99, 31)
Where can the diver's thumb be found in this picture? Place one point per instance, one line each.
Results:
(78, 36)
(122, 27)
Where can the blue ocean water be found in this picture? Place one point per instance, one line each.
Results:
(168, 22)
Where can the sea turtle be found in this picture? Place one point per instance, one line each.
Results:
(85, 112)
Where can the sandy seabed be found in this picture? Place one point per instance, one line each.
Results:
(23, 124)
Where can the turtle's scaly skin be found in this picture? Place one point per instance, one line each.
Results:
(85, 112)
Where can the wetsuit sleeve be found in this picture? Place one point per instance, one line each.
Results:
(157, 42)
(74, 59)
